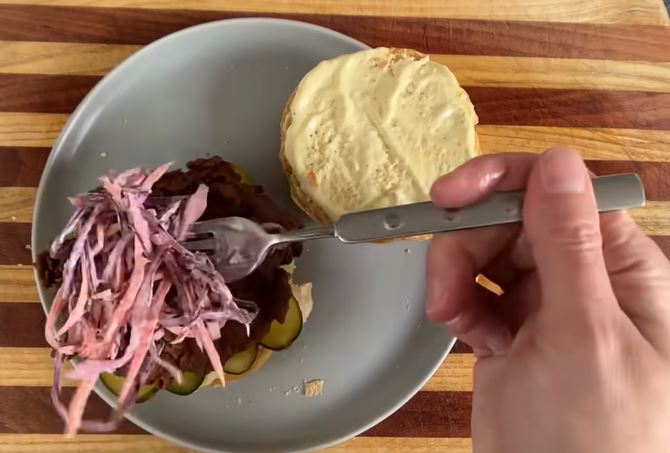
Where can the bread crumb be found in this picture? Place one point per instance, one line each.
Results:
(14, 218)
(408, 251)
(313, 388)
(103, 154)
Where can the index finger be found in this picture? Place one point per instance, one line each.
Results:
(481, 176)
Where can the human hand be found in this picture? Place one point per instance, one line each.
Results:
(575, 355)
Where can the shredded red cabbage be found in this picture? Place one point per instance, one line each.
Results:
(122, 260)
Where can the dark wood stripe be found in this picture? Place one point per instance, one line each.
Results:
(434, 35)
(429, 414)
(571, 108)
(655, 175)
(14, 237)
(43, 93)
(664, 243)
(461, 348)
(22, 325)
(21, 167)
(26, 410)
(512, 106)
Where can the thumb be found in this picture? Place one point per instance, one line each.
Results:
(562, 226)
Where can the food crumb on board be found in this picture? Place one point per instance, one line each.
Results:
(14, 218)
(103, 154)
(408, 251)
(313, 388)
(272, 389)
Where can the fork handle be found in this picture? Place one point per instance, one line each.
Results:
(308, 233)
(612, 193)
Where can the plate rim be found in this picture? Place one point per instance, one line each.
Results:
(68, 128)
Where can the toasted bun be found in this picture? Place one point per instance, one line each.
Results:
(373, 129)
(303, 294)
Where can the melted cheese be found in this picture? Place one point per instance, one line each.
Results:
(376, 128)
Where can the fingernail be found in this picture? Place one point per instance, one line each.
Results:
(562, 171)
(499, 341)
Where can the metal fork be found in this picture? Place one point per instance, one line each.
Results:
(238, 246)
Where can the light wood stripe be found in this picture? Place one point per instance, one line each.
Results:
(404, 444)
(86, 443)
(30, 129)
(653, 219)
(33, 367)
(594, 11)
(41, 129)
(17, 284)
(592, 143)
(18, 57)
(16, 204)
(120, 443)
(533, 72)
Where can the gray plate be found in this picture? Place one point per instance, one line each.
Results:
(219, 88)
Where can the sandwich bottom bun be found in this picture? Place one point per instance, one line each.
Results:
(302, 292)
(336, 140)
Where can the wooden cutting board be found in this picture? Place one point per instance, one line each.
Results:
(594, 75)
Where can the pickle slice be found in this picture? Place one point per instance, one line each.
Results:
(190, 382)
(114, 383)
(244, 177)
(282, 335)
(241, 362)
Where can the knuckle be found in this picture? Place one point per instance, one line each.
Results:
(577, 236)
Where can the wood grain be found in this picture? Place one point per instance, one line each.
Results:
(427, 34)
(18, 57)
(57, 58)
(15, 236)
(535, 72)
(571, 108)
(33, 367)
(16, 204)
(21, 167)
(429, 414)
(30, 129)
(592, 143)
(120, 443)
(22, 325)
(499, 106)
(595, 11)
(654, 218)
(28, 410)
(43, 93)
(89, 443)
(17, 284)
